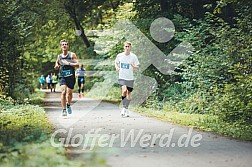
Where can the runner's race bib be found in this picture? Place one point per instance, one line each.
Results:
(67, 73)
(125, 66)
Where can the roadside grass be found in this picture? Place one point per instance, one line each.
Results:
(113, 95)
(25, 137)
(204, 122)
(174, 117)
(37, 98)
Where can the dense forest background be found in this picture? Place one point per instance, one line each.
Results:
(216, 80)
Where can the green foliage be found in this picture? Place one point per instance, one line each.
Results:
(41, 152)
(37, 98)
(234, 104)
(206, 122)
(22, 123)
(35, 154)
(215, 81)
(196, 103)
(234, 100)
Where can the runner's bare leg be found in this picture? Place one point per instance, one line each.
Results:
(63, 96)
(69, 95)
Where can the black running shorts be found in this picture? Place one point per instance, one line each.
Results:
(68, 81)
(81, 80)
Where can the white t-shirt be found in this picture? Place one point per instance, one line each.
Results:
(125, 61)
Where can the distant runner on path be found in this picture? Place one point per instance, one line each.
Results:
(42, 82)
(66, 63)
(125, 63)
(54, 81)
(48, 81)
(80, 73)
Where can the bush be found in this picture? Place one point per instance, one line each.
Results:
(234, 104)
(35, 154)
(21, 123)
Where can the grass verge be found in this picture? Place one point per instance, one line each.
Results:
(203, 122)
(37, 98)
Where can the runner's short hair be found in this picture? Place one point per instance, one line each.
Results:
(63, 40)
(127, 42)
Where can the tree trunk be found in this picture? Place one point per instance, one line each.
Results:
(70, 8)
(173, 5)
(83, 35)
(197, 6)
(164, 5)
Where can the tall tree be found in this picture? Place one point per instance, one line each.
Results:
(80, 11)
(77, 10)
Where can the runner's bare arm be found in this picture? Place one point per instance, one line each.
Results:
(135, 67)
(57, 64)
(117, 65)
(74, 62)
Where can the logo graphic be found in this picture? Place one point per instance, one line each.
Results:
(161, 30)
(94, 138)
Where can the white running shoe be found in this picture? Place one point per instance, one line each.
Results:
(123, 112)
(126, 112)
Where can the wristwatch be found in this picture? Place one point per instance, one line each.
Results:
(69, 63)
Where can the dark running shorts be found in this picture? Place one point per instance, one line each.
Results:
(128, 83)
(68, 81)
(81, 80)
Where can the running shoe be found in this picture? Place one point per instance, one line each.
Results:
(126, 112)
(68, 108)
(64, 113)
(123, 112)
